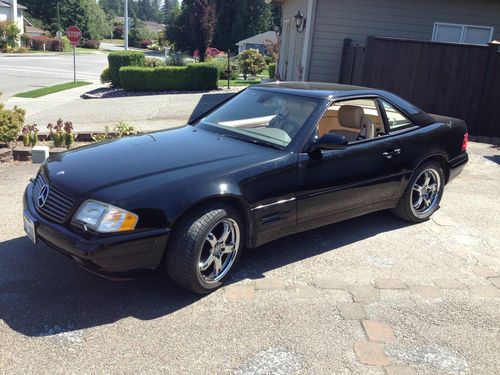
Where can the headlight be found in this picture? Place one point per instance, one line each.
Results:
(104, 218)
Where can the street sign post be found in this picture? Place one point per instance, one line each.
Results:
(74, 34)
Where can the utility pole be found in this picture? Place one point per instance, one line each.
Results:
(126, 25)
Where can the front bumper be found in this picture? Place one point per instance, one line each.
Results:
(457, 165)
(112, 256)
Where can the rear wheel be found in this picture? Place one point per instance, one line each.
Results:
(204, 247)
(423, 194)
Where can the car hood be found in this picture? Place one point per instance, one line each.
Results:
(178, 153)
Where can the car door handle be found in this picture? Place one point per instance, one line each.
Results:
(390, 154)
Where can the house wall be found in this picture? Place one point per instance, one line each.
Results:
(4, 14)
(356, 19)
(292, 43)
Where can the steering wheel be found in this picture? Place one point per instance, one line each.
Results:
(282, 122)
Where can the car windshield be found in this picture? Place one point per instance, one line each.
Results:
(262, 116)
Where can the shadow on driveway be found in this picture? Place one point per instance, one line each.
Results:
(43, 293)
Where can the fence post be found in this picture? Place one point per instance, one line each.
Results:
(370, 52)
(481, 125)
(345, 65)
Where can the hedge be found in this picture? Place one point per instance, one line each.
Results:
(272, 70)
(203, 76)
(123, 58)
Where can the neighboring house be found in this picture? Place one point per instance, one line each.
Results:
(313, 52)
(153, 27)
(257, 42)
(10, 10)
(31, 30)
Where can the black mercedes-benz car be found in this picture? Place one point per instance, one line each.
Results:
(274, 160)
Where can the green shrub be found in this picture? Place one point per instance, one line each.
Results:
(152, 62)
(105, 76)
(251, 62)
(193, 77)
(221, 65)
(11, 121)
(123, 129)
(272, 71)
(123, 58)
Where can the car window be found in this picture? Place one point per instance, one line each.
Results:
(356, 119)
(396, 120)
(262, 115)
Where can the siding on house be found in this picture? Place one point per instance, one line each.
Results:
(356, 19)
(292, 42)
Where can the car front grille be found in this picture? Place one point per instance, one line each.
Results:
(57, 205)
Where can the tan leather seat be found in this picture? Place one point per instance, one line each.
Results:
(353, 117)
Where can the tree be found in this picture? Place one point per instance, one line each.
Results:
(251, 62)
(87, 15)
(202, 18)
(114, 7)
(168, 7)
(241, 19)
(177, 30)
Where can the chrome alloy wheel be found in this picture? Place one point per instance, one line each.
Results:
(219, 250)
(425, 193)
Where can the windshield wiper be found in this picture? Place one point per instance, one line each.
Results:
(253, 140)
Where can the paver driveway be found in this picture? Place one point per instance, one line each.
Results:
(370, 295)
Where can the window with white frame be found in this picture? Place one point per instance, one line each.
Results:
(456, 33)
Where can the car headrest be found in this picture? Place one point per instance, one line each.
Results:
(299, 108)
(351, 116)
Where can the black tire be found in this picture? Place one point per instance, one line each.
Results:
(405, 208)
(188, 242)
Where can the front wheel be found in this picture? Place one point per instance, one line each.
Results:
(423, 194)
(204, 248)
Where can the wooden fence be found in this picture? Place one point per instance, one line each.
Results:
(455, 80)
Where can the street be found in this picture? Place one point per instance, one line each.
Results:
(29, 72)
(145, 112)
(371, 295)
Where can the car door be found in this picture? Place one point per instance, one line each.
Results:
(365, 173)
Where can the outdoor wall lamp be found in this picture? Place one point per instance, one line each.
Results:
(300, 21)
(277, 30)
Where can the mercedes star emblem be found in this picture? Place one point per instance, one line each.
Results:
(43, 196)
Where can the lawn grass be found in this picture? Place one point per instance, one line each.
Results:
(51, 89)
(238, 82)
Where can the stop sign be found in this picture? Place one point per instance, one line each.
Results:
(74, 34)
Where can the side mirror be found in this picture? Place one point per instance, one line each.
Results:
(330, 141)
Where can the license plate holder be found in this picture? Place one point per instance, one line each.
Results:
(29, 228)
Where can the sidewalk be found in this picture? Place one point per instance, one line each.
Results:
(152, 112)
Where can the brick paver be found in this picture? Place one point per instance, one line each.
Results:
(327, 283)
(371, 353)
(390, 283)
(485, 291)
(239, 292)
(351, 311)
(448, 284)
(269, 283)
(364, 293)
(379, 331)
(495, 281)
(483, 272)
(426, 291)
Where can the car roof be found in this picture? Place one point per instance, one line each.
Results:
(319, 89)
(332, 91)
